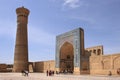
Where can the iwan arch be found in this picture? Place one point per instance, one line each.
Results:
(66, 58)
(69, 51)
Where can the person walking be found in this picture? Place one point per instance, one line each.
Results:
(110, 73)
(47, 72)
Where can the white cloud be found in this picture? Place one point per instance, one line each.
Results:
(71, 3)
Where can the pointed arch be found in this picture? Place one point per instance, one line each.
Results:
(66, 57)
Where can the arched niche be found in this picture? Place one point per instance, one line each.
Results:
(66, 57)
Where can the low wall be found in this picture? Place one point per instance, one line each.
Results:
(43, 66)
(102, 65)
(3, 67)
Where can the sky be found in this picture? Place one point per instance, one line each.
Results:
(100, 20)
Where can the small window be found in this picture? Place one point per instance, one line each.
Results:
(68, 56)
(90, 51)
(99, 51)
(94, 51)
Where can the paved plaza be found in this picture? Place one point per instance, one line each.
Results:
(42, 76)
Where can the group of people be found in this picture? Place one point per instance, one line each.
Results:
(50, 73)
(66, 71)
(24, 72)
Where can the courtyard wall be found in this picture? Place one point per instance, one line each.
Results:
(105, 63)
(43, 66)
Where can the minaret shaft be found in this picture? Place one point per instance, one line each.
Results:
(21, 45)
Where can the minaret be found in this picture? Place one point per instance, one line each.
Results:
(21, 45)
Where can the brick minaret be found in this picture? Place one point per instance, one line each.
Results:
(21, 45)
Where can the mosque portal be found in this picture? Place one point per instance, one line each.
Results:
(69, 49)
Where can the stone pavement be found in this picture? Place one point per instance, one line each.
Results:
(42, 76)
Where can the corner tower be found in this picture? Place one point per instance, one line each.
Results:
(21, 45)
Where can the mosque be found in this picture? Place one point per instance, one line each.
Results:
(70, 55)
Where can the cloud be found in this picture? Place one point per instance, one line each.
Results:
(71, 3)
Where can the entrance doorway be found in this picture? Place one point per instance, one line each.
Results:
(66, 58)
